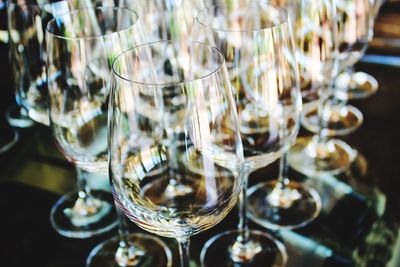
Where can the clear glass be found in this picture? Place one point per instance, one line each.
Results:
(359, 85)
(316, 20)
(282, 203)
(165, 19)
(355, 29)
(258, 45)
(27, 20)
(80, 48)
(168, 20)
(26, 39)
(158, 86)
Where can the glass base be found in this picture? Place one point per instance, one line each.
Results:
(66, 224)
(147, 251)
(312, 158)
(291, 207)
(265, 251)
(18, 117)
(339, 120)
(40, 116)
(9, 137)
(356, 85)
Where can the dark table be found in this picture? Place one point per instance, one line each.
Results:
(358, 226)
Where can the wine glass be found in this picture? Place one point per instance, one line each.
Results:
(358, 85)
(142, 112)
(27, 20)
(80, 47)
(258, 45)
(283, 203)
(26, 57)
(168, 20)
(317, 42)
(355, 30)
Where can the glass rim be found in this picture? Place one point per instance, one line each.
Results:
(75, 11)
(220, 65)
(284, 19)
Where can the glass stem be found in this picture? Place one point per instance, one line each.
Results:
(84, 190)
(173, 162)
(283, 179)
(243, 222)
(127, 254)
(322, 105)
(184, 253)
(123, 231)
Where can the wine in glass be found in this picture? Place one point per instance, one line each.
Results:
(257, 42)
(142, 111)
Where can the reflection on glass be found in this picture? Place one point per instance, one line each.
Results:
(258, 46)
(207, 154)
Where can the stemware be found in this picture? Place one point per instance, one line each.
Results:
(283, 203)
(317, 41)
(142, 111)
(358, 85)
(80, 46)
(168, 20)
(258, 45)
(27, 62)
(355, 30)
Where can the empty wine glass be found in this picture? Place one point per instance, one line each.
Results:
(142, 112)
(317, 44)
(80, 48)
(258, 45)
(355, 30)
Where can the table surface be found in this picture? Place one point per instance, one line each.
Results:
(358, 226)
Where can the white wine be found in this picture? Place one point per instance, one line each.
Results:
(214, 192)
(82, 137)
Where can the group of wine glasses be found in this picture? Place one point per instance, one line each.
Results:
(179, 102)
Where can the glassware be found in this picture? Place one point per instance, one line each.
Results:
(80, 48)
(283, 203)
(359, 85)
(258, 45)
(168, 20)
(27, 20)
(142, 111)
(318, 64)
(355, 27)
(26, 38)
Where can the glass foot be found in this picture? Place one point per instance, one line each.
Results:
(68, 221)
(356, 85)
(9, 137)
(312, 158)
(143, 250)
(40, 116)
(338, 119)
(18, 117)
(274, 207)
(262, 250)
